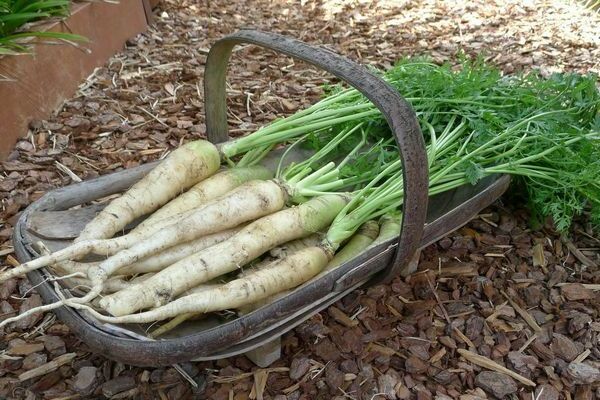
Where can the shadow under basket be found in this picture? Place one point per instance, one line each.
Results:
(58, 217)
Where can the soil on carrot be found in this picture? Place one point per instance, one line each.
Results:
(505, 287)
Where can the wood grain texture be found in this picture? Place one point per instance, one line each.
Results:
(61, 224)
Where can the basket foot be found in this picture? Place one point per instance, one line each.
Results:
(267, 354)
(412, 265)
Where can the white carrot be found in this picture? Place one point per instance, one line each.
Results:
(152, 263)
(184, 167)
(245, 203)
(281, 275)
(72, 267)
(180, 319)
(248, 308)
(295, 245)
(362, 239)
(180, 208)
(391, 226)
(112, 285)
(282, 251)
(248, 244)
(172, 324)
(185, 205)
(158, 261)
(204, 191)
(278, 252)
(73, 274)
(299, 184)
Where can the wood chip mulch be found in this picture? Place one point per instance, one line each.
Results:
(498, 309)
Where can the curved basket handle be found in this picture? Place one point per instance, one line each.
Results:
(397, 112)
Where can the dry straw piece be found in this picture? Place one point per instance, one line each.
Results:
(489, 364)
(523, 313)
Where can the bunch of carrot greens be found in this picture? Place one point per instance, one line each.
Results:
(330, 207)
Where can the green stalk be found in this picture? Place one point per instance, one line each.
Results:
(246, 143)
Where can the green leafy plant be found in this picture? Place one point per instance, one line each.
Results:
(14, 14)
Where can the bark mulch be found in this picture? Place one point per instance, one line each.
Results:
(502, 308)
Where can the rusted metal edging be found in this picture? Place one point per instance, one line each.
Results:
(34, 86)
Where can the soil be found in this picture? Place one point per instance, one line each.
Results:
(502, 308)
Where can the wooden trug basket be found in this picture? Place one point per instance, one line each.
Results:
(54, 221)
